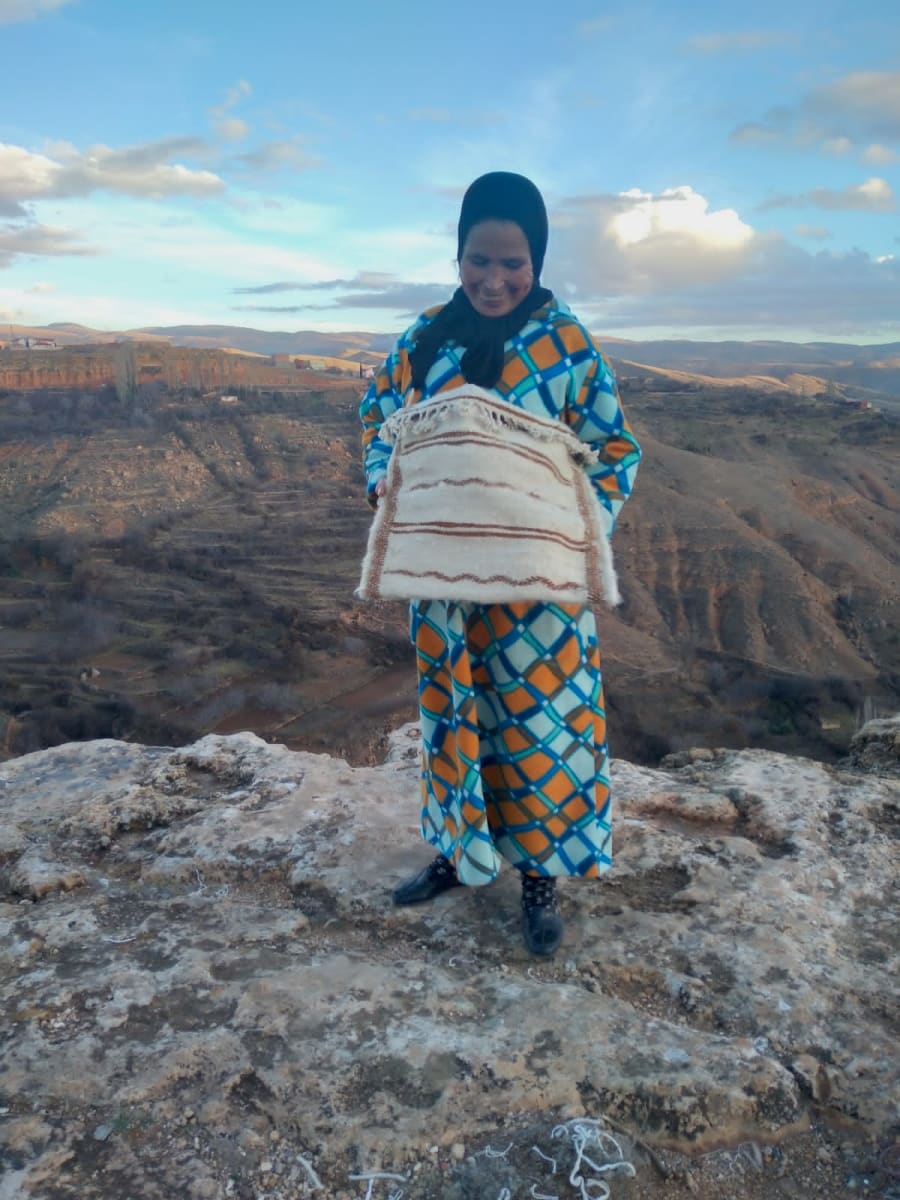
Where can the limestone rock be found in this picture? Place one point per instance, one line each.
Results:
(876, 747)
(34, 877)
(232, 968)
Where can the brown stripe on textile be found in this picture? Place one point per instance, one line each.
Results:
(463, 439)
(455, 529)
(486, 483)
(554, 587)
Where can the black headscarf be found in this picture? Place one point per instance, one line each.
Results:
(498, 196)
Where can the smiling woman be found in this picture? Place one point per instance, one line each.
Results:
(514, 757)
(495, 268)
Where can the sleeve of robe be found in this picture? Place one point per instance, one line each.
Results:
(384, 396)
(594, 412)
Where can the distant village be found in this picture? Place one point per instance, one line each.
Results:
(333, 366)
(30, 343)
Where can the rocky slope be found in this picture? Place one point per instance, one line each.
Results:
(143, 365)
(201, 556)
(207, 992)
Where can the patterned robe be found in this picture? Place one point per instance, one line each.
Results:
(514, 751)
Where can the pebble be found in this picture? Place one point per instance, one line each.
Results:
(458, 1151)
(265, 1166)
(102, 1132)
(755, 1154)
(676, 1057)
(274, 1136)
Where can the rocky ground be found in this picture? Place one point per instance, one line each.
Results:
(207, 993)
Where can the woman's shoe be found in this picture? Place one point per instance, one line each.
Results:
(437, 877)
(541, 923)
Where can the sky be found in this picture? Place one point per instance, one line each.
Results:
(711, 170)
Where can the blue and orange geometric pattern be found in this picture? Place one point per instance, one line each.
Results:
(552, 368)
(514, 759)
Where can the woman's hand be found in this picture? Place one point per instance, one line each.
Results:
(380, 488)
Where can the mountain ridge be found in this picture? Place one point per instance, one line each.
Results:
(232, 335)
(864, 373)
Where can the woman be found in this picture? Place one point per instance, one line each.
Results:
(514, 760)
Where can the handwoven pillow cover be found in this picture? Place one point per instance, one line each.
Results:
(486, 502)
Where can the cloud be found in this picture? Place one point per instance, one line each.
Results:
(231, 128)
(22, 177)
(273, 308)
(837, 145)
(143, 170)
(651, 242)
(233, 97)
(859, 107)
(368, 289)
(816, 232)
(729, 43)
(670, 261)
(18, 241)
(289, 154)
(874, 195)
(26, 10)
(753, 133)
(879, 156)
(41, 289)
(266, 289)
(784, 287)
(864, 101)
(362, 281)
(197, 245)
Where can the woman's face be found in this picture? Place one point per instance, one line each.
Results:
(495, 268)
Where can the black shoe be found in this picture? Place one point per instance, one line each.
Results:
(437, 877)
(541, 923)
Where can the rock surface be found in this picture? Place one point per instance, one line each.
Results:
(876, 747)
(206, 990)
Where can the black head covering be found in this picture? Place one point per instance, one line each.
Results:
(503, 196)
(497, 196)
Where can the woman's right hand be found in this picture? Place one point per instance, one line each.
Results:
(380, 488)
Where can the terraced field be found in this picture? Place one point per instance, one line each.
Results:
(188, 564)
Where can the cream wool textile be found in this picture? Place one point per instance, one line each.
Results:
(487, 503)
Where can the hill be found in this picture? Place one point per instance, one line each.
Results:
(873, 368)
(173, 563)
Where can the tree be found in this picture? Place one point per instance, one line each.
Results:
(126, 371)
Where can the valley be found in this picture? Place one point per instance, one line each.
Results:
(175, 561)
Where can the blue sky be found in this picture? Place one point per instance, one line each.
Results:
(711, 170)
